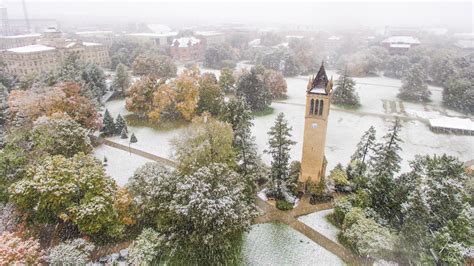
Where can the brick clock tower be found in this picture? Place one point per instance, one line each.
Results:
(318, 100)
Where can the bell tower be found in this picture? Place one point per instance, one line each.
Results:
(318, 101)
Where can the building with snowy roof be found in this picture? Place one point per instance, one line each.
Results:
(100, 36)
(400, 44)
(7, 42)
(455, 125)
(49, 52)
(187, 49)
(210, 37)
(159, 39)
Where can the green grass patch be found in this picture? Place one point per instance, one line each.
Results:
(331, 220)
(136, 121)
(284, 205)
(265, 112)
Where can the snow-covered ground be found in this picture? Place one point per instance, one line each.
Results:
(120, 164)
(278, 244)
(318, 222)
(378, 99)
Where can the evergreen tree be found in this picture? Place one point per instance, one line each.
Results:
(279, 148)
(211, 97)
(121, 81)
(70, 69)
(252, 87)
(133, 138)
(397, 66)
(93, 81)
(382, 186)
(120, 125)
(415, 234)
(413, 85)
(237, 113)
(227, 80)
(108, 124)
(386, 160)
(345, 93)
(364, 149)
(123, 134)
(458, 93)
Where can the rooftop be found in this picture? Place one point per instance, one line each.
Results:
(31, 49)
(452, 123)
(21, 36)
(94, 32)
(400, 45)
(208, 33)
(402, 39)
(146, 34)
(319, 83)
(185, 42)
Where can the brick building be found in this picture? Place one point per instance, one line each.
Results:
(187, 49)
(49, 52)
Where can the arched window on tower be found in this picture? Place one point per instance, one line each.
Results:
(311, 107)
(321, 107)
(316, 106)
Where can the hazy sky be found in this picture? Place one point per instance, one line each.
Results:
(341, 14)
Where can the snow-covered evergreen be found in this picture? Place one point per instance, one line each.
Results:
(413, 85)
(279, 144)
(109, 128)
(345, 93)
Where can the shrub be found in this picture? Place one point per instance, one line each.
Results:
(352, 217)
(145, 249)
(71, 252)
(341, 207)
(366, 237)
(284, 205)
(16, 251)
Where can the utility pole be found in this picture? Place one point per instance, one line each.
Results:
(27, 20)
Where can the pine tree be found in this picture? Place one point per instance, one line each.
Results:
(109, 125)
(121, 81)
(252, 87)
(413, 85)
(211, 96)
(345, 93)
(123, 134)
(386, 160)
(363, 151)
(382, 186)
(133, 138)
(415, 231)
(237, 113)
(226, 80)
(279, 148)
(120, 125)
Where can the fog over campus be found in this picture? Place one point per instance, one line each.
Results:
(454, 15)
(236, 132)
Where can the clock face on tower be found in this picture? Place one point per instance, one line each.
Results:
(314, 125)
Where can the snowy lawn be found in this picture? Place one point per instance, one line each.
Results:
(278, 244)
(319, 222)
(120, 164)
(378, 96)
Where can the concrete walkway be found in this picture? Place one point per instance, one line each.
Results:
(269, 213)
(272, 214)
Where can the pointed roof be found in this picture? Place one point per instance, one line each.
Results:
(321, 80)
(319, 84)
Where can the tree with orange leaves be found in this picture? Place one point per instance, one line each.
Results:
(27, 106)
